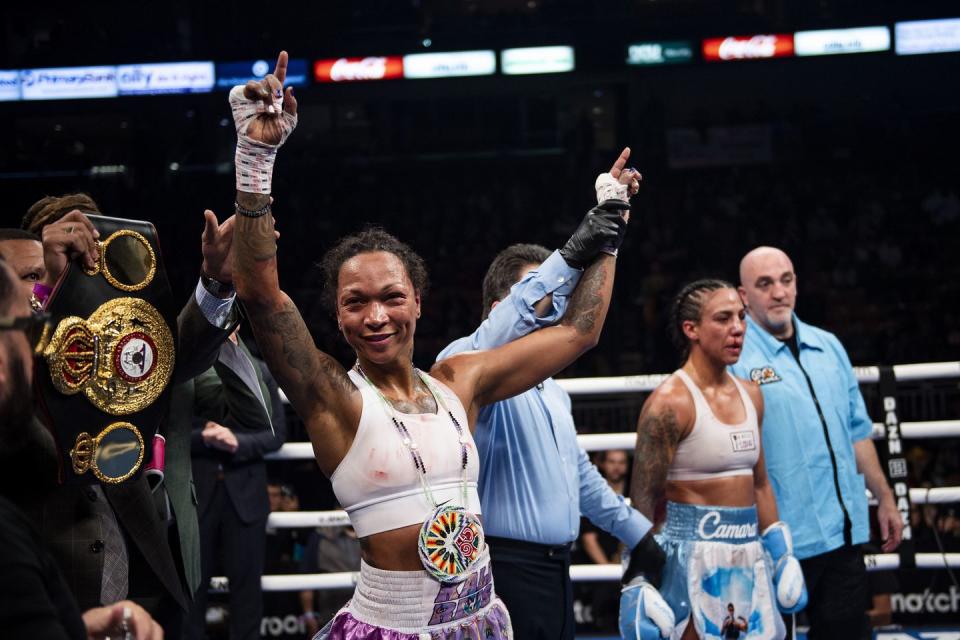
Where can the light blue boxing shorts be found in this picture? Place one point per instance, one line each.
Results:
(714, 560)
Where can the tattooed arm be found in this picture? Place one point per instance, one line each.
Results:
(666, 418)
(484, 377)
(317, 386)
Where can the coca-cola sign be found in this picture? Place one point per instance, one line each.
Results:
(358, 69)
(748, 47)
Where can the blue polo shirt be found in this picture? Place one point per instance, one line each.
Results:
(535, 480)
(794, 444)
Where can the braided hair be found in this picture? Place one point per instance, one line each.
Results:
(688, 305)
(50, 209)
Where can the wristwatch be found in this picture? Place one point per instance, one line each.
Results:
(215, 287)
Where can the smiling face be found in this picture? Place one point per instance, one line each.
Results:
(377, 307)
(768, 286)
(719, 331)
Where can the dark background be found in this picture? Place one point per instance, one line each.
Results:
(861, 188)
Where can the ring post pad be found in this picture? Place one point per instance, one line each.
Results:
(104, 369)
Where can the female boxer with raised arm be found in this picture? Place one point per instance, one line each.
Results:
(396, 442)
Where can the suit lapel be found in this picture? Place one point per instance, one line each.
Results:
(236, 358)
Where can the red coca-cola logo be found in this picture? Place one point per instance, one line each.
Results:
(358, 69)
(747, 47)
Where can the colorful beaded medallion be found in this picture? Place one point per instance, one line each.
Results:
(451, 540)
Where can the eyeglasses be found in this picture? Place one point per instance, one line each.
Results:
(34, 327)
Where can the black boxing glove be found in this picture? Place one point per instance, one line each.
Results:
(646, 559)
(602, 229)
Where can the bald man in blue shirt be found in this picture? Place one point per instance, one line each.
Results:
(816, 440)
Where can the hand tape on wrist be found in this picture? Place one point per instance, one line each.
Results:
(254, 160)
(609, 188)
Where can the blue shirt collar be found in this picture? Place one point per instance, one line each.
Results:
(806, 336)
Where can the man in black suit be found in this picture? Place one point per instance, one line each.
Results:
(238, 419)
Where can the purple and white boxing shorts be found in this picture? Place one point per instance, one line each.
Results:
(410, 605)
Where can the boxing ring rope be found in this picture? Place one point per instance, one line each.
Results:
(578, 573)
(338, 518)
(606, 441)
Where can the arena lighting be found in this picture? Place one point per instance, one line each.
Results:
(230, 74)
(65, 83)
(452, 64)
(927, 36)
(169, 77)
(528, 60)
(772, 45)
(107, 169)
(358, 69)
(660, 52)
(9, 86)
(834, 41)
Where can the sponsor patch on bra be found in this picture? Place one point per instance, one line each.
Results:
(764, 375)
(743, 441)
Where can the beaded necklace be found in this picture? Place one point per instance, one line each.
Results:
(451, 537)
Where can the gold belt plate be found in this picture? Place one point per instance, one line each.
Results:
(121, 357)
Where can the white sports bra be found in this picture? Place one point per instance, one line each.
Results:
(715, 449)
(377, 483)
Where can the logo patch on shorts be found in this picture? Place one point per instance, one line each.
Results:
(743, 441)
(764, 375)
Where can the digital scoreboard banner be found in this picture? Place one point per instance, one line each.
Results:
(170, 77)
(9, 86)
(453, 64)
(529, 60)
(661, 52)
(830, 42)
(774, 45)
(230, 74)
(67, 83)
(927, 36)
(358, 69)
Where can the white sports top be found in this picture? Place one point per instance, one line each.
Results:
(715, 449)
(377, 482)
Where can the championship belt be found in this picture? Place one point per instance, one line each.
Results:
(104, 371)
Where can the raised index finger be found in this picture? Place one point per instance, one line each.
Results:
(281, 70)
(620, 163)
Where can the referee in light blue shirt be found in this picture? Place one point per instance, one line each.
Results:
(535, 481)
(817, 446)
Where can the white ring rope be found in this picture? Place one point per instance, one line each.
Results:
(606, 441)
(338, 518)
(578, 572)
(649, 382)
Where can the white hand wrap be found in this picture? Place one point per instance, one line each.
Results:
(254, 160)
(609, 188)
